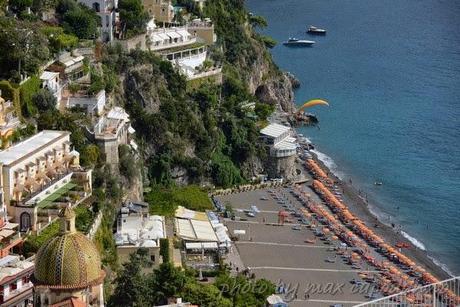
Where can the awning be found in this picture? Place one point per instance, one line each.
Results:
(5, 233)
(201, 245)
(184, 33)
(156, 38)
(173, 34)
(163, 36)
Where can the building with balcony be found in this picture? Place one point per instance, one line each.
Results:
(38, 175)
(106, 10)
(51, 81)
(161, 10)
(166, 38)
(112, 130)
(70, 66)
(8, 121)
(16, 288)
(137, 229)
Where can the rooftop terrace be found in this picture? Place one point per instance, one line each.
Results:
(38, 141)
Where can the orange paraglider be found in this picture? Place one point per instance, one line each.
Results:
(313, 102)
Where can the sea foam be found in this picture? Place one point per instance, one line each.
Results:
(414, 241)
(329, 162)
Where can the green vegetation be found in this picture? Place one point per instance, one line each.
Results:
(44, 100)
(25, 48)
(133, 17)
(11, 93)
(58, 40)
(84, 218)
(27, 90)
(133, 288)
(78, 19)
(164, 249)
(267, 41)
(127, 163)
(164, 201)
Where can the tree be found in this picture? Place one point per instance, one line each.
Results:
(26, 48)
(90, 155)
(58, 40)
(205, 295)
(131, 288)
(133, 17)
(258, 21)
(65, 6)
(44, 100)
(20, 5)
(166, 281)
(82, 22)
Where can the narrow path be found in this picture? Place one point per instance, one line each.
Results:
(283, 244)
(310, 269)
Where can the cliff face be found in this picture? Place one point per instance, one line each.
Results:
(266, 81)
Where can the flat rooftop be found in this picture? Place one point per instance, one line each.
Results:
(12, 265)
(38, 141)
(274, 130)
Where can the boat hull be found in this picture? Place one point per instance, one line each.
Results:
(315, 32)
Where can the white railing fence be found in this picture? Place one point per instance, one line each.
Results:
(445, 293)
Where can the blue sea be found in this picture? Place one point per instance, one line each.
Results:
(390, 70)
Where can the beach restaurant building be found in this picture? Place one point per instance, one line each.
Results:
(280, 140)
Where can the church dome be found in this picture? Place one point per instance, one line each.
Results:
(69, 260)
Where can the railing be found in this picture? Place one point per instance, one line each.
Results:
(445, 293)
(205, 74)
(95, 226)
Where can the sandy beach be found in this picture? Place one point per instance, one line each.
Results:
(284, 255)
(358, 206)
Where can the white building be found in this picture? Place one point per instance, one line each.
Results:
(106, 10)
(16, 289)
(50, 80)
(137, 229)
(93, 104)
(164, 38)
(33, 170)
(279, 138)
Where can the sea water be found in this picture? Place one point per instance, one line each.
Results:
(390, 70)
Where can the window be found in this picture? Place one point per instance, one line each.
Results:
(96, 7)
(152, 257)
(25, 221)
(67, 225)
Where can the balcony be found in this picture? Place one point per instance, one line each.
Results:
(29, 199)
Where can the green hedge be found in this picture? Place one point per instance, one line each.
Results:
(11, 93)
(164, 249)
(164, 201)
(27, 90)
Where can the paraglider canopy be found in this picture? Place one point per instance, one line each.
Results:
(312, 103)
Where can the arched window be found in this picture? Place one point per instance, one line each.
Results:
(25, 221)
(96, 7)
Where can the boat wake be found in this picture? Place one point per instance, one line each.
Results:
(330, 164)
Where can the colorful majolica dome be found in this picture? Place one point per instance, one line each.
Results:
(69, 260)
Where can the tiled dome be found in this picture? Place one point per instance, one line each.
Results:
(69, 261)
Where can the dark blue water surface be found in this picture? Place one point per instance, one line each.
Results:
(390, 70)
